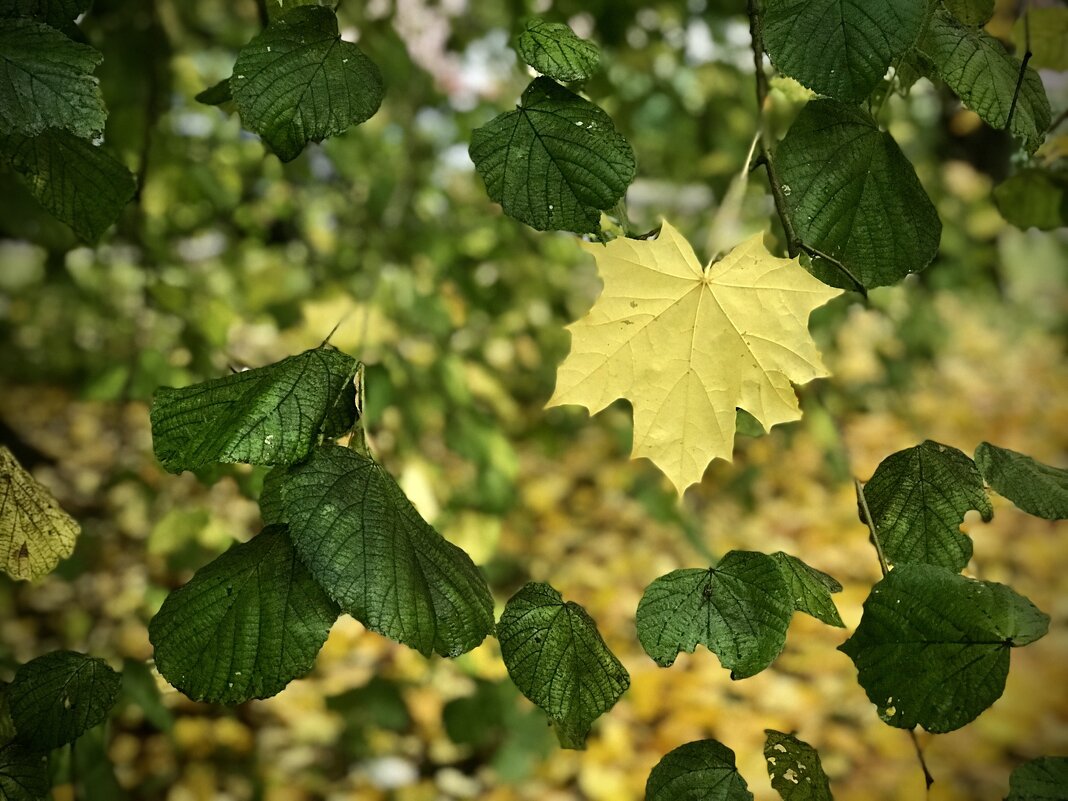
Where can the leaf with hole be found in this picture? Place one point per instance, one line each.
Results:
(557, 659)
(794, 768)
(932, 648)
(703, 770)
(555, 162)
(810, 589)
(1037, 488)
(554, 50)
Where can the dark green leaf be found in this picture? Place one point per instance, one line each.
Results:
(557, 659)
(699, 771)
(371, 551)
(271, 496)
(810, 589)
(298, 82)
(932, 648)
(840, 48)
(795, 768)
(7, 725)
(971, 12)
(1034, 197)
(918, 498)
(47, 81)
(1042, 779)
(23, 774)
(270, 415)
(740, 610)
(216, 95)
(980, 70)
(245, 625)
(1035, 487)
(57, 13)
(554, 50)
(555, 161)
(853, 195)
(56, 697)
(83, 186)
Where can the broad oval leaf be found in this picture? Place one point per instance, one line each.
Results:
(298, 82)
(47, 81)
(703, 770)
(270, 415)
(35, 533)
(557, 659)
(740, 610)
(553, 49)
(932, 648)
(24, 774)
(55, 698)
(1042, 779)
(367, 546)
(840, 48)
(795, 769)
(1037, 488)
(245, 625)
(810, 589)
(80, 184)
(918, 498)
(983, 74)
(853, 195)
(555, 162)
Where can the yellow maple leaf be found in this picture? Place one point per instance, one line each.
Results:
(687, 345)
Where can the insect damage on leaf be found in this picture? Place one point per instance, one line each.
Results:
(688, 345)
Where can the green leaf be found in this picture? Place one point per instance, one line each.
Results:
(840, 48)
(554, 50)
(555, 161)
(1049, 37)
(979, 69)
(703, 770)
(740, 610)
(1035, 487)
(23, 774)
(557, 659)
(795, 769)
(47, 81)
(7, 725)
(216, 95)
(971, 12)
(932, 648)
(270, 415)
(853, 195)
(1042, 779)
(82, 185)
(245, 625)
(1034, 197)
(810, 589)
(298, 82)
(918, 498)
(35, 533)
(57, 13)
(56, 697)
(271, 505)
(370, 550)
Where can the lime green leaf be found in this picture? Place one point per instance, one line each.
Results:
(216, 95)
(78, 183)
(1042, 779)
(840, 48)
(35, 533)
(269, 415)
(932, 648)
(971, 12)
(795, 768)
(1035, 487)
(699, 771)
(47, 81)
(979, 69)
(554, 50)
(56, 697)
(298, 82)
(370, 550)
(23, 774)
(245, 625)
(853, 195)
(57, 13)
(740, 610)
(918, 498)
(1033, 197)
(555, 161)
(1049, 37)
(810, 589)
(557, 659)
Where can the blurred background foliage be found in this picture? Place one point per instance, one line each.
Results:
(230, 258)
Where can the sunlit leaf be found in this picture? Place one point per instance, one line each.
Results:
(1037, 488)
(699, 771)
(1043, 30)
(553, 49)
(795, 769)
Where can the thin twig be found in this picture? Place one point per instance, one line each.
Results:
(863, 501)
(1023, 64)
(1058, 121)
(927, 777)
